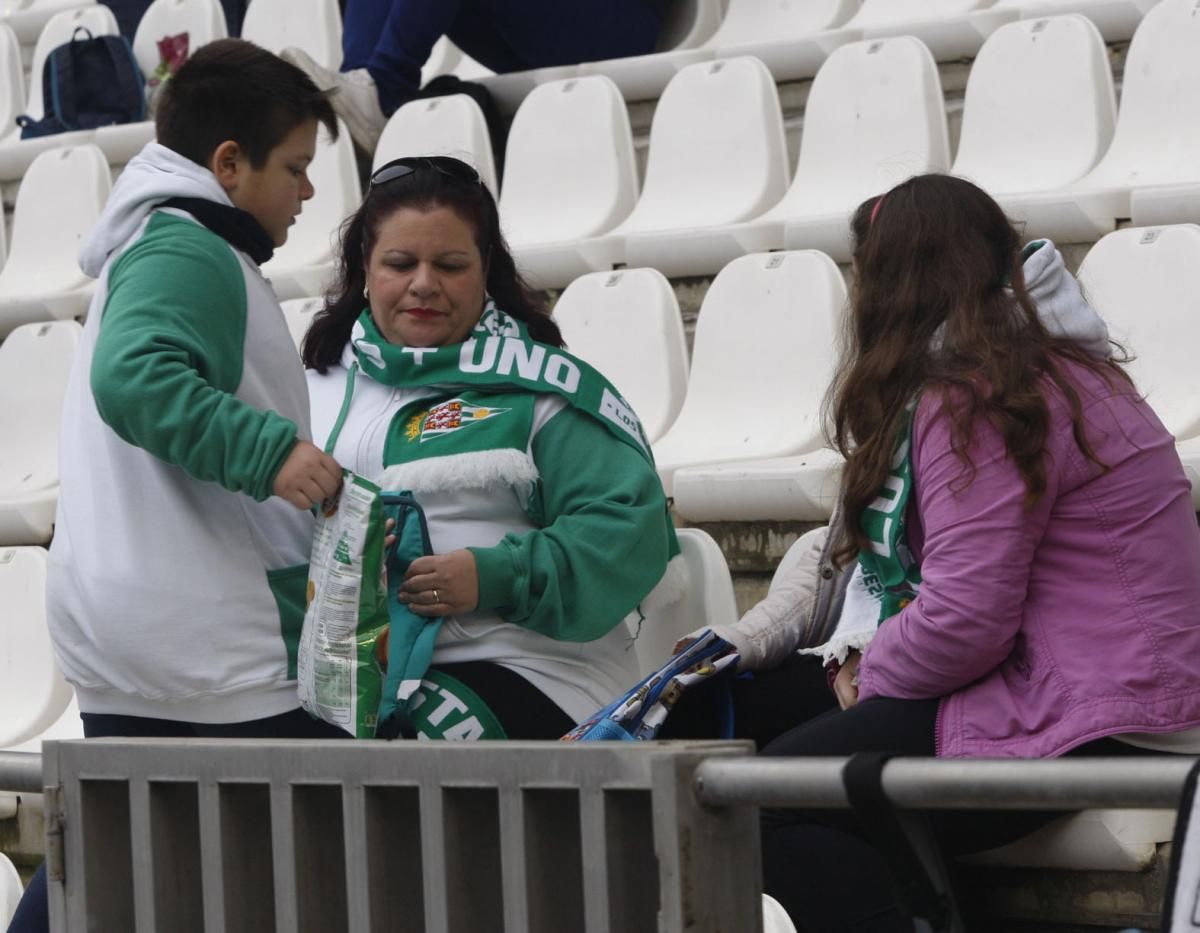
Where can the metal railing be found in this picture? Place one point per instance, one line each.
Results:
(1134, 782)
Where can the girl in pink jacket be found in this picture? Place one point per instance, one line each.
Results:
(1023, 553)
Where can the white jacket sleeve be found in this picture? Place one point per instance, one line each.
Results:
(772, 629)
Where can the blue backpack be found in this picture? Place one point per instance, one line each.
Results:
(86, 83)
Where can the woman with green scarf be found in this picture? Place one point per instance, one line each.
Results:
(434, 369)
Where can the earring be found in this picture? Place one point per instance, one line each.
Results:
(366, 293)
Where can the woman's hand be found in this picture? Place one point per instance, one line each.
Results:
(845, 685)
(441, 584)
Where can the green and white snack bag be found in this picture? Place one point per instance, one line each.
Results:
(340, 680)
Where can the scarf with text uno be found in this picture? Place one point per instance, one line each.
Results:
(497, 361)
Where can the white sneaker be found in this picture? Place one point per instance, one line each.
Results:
(355, 100)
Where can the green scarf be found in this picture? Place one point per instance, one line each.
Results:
(890, 573)
(498, 356)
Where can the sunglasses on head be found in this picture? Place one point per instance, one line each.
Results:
(402, 168)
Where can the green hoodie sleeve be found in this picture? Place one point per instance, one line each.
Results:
(604, 545)
(169, 358)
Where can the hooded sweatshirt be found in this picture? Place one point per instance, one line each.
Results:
(176, 582)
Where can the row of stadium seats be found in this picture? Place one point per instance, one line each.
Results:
(1039, 113)
(738, 434)
(1040, 131)
(794, 39)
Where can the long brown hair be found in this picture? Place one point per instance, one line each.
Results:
(939, 304)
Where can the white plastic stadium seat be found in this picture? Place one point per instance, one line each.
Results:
(800, 488)
(12, 81)
(775, 918)
(298, 312)
(10, 890)
(34, 363)
(1116, 19)
(302, 266)
(893, 88)
(202, 20)
(951, 28)
(643, 77)
(570, 176)
(58, 202)
(1154, 144)
(16, 154)
(1040, 107)
(28, 18)
(599, 312)
(314, 26)
(717, 156)
(33, 693)
(707, 598)
(451, 125)
(1094, 840)
(762, 358)
(791, 39)
(1144, 283)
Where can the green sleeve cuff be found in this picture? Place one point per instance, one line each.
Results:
(279, 436)
(496, 573)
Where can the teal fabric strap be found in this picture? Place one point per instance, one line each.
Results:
(351, 375)
(411, 637)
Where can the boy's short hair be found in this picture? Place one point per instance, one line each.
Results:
(232, 89)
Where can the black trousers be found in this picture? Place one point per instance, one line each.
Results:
(818, 864)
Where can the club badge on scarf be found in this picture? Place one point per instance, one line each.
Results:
(640, 713)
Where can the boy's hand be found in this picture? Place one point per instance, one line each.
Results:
(308, 476)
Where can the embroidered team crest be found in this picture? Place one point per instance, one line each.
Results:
(446, 418)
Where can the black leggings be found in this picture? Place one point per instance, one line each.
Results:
(817, 864)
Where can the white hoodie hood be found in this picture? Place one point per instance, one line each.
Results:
(1060, 303)
(152, 176)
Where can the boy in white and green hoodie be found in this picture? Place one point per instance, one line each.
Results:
(178, 568)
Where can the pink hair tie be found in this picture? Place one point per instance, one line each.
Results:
(875, 209)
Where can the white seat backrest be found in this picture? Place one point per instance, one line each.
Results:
(58, 203)
(202, 20)
(33, 693)
(452, 125)
(597, 314)
(764, 349)
(892, 89)
(768, 20)
(298, 312)
(689, 23)
(334, 176)
(1144, 283)
(1040, 106)
(892, 12)
(10, 890)
(1157, 139)
(97, 19)
(707, 598)
(717, 150)
(35, 360)
(314, 26)
(12, 81)
(570, 170)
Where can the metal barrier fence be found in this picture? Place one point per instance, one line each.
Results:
(295, 836)
(299, 836)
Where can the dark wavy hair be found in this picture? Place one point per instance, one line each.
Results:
(435, 182)
(939, 303)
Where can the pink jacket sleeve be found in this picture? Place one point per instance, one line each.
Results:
(975, 563)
